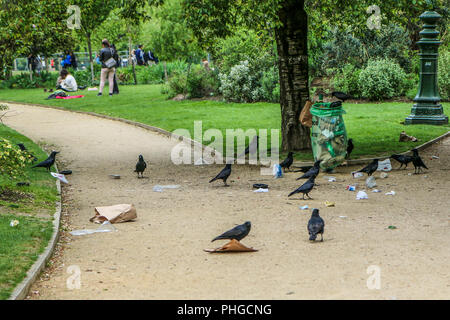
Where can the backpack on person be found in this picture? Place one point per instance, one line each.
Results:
(111, 62)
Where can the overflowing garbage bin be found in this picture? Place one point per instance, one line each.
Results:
(328, 134)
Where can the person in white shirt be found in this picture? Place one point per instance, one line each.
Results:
(66, 81)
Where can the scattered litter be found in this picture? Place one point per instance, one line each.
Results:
(392, 193)
(434, 157)
(60, 177)
(357, 174)
(159, 188)
(329, 204)
(114, 214)
(383, 175)
(384, 165)
(370, 182)
(92, 89)
(14, 223)
(276, 171)
(342, 217)
(392, 227)
(362, 195)
(23, 184)
(376, 190)
(66, 172)
(304, 207)
(260, 185)
(404, 137)
(351, 188)
(104, 227)
(13, 205)
(409, 174)
(114, 176)
(261, 190)
(330, 178)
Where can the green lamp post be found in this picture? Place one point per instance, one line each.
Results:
(427, 108)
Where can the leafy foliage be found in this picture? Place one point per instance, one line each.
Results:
(382, 79)
(12, 159)
(444, 74)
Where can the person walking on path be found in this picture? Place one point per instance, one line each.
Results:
(108, 67)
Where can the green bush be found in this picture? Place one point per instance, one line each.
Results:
(382, 79)
(347, 80)
(242, 84)
(197, 82)
(444, 74)
(271, 85)
(12, 159)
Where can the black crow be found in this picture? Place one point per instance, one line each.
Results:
(224, 174)
(238, 233)
(417, 162)
(350, 147)
(341, 95)
(305, 188)
(47, 163)
(287, 162)
(252, 147)
(313, 172)
(403, 159)
(140, 167)
(370, 168)
(316, 225)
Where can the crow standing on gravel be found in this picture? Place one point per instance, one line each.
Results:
(238, 233)
(48, 162)
(305, 188)
(350, 147)
(140, 167)
(224, 174)
(316, 225)
(403, 159)
(418, 162)
(287, 163)
(313, 172)
(370, 168)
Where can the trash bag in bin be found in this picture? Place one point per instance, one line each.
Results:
(328, 134)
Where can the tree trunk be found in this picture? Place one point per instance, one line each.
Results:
(292, 47)
(166, 78)
(130, 58)
(91, 62)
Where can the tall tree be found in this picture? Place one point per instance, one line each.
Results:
(211, 19)
(92, 14)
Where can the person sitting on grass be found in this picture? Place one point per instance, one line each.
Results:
(66, 82)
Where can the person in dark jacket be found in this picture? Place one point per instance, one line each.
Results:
(140, 55)
(73, 60)
(117, 58)
(105, 54)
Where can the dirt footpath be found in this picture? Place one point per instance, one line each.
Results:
(160, 255)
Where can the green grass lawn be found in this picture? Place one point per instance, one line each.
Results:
(33, 207)
(374, 127)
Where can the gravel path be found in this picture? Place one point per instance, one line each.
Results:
(160, 255)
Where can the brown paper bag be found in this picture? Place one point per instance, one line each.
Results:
(305, 115)
(114, 214)
(232, 246)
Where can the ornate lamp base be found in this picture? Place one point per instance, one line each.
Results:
(427, 114)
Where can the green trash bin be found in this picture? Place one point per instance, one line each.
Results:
(328, 135)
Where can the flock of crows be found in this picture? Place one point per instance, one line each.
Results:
(316, 224)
